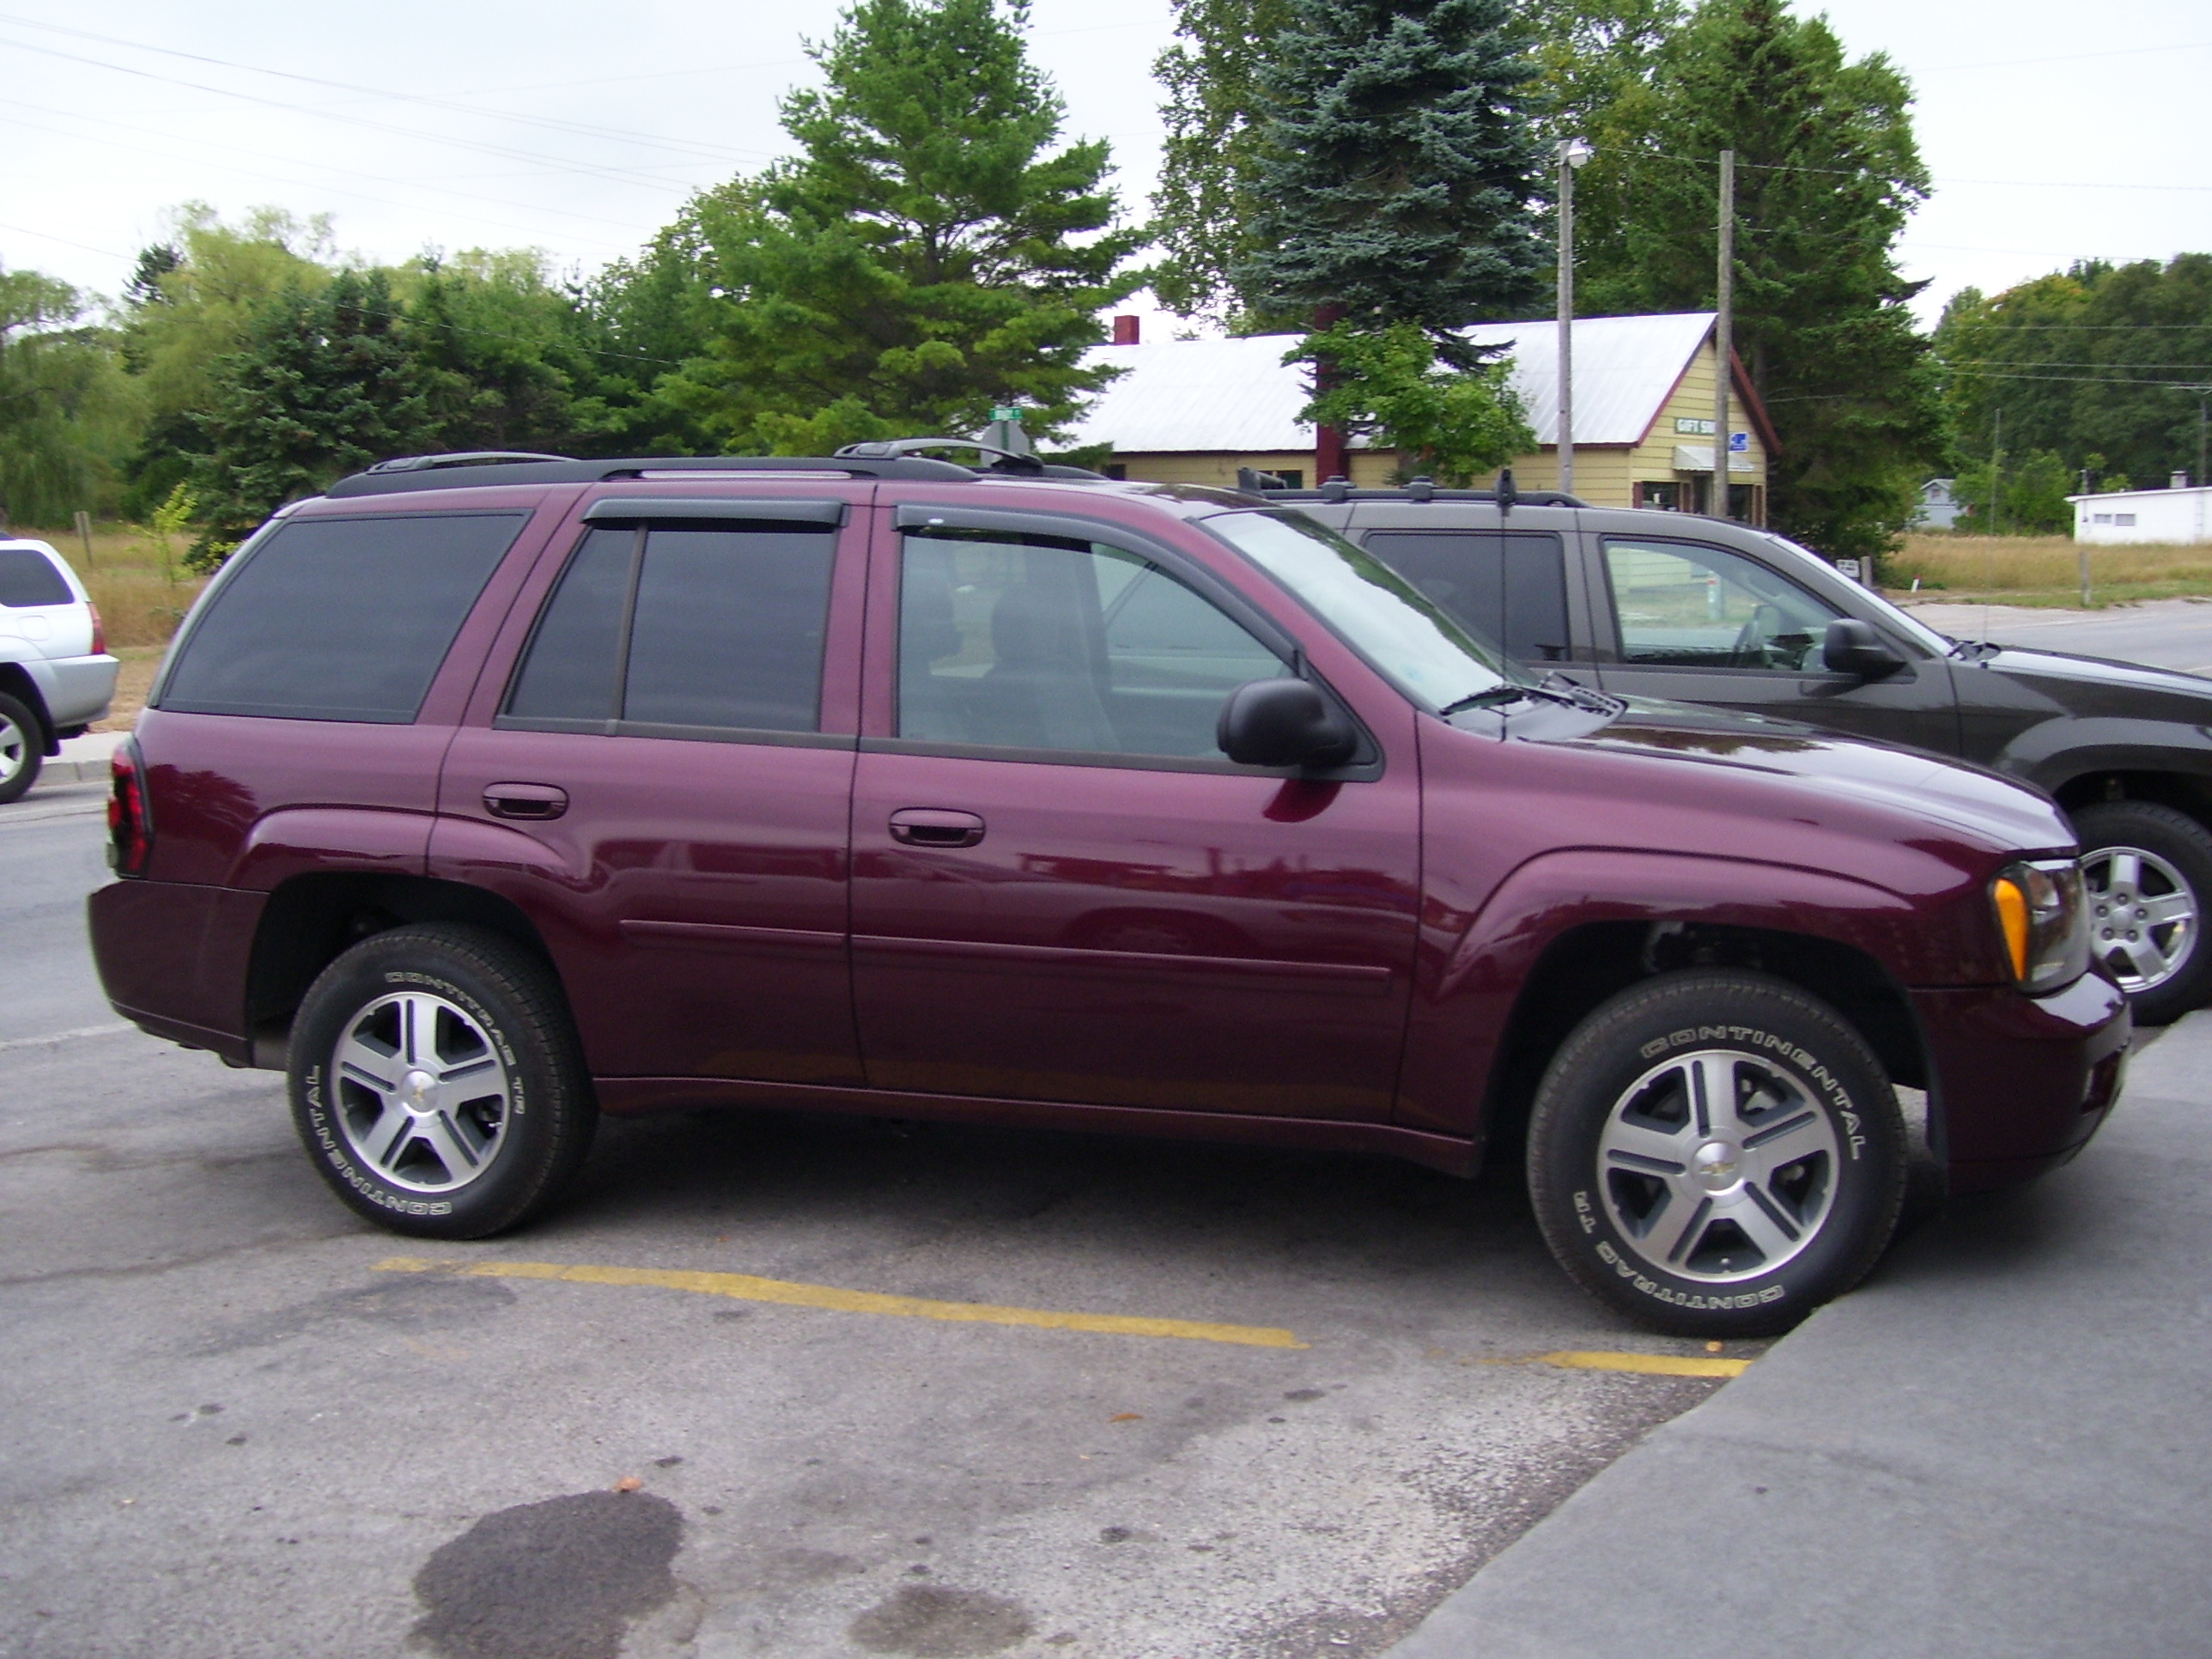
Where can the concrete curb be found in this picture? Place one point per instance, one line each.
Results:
(82, 760)
(1996, 1447)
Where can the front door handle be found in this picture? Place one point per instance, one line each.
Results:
(525, 800)
(931, 826)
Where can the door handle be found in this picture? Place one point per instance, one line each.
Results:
(931, 826)
(525, 800)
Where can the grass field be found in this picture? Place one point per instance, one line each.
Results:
(2045, 570)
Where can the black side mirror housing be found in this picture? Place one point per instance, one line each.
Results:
(1284, 722)
(1853, 647)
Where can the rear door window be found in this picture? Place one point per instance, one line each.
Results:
(677, 628)
(339, 619)
(28, 577)
(1509, 587)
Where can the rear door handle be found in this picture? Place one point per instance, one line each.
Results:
(525, 800)
(931, 826)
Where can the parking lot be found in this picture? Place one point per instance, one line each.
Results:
(771, 1385)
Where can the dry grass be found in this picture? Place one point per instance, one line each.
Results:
(141, 599)
(2045, 570)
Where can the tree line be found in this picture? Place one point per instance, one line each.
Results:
(1370, 176)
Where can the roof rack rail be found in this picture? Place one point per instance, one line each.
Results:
(1421, 490)
(462, 457)
(444, 473)
(1006, 460)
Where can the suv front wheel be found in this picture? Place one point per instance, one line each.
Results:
(1716, 1154)
(2149, 871)
(436, 1082)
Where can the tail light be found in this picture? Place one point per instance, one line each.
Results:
(98, 630)
(130, 828)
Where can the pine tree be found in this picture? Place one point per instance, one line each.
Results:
(323, 385)
(1399, 168)
(929, 254)
(1204, 208)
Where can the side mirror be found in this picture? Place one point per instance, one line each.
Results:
(1853, 647)
(1284, 723)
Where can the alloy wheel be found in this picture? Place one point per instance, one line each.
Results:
(1716, 1166)
(422, 1094)
(2142, 915)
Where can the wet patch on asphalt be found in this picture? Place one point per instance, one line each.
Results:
(560, 1579)
(430, 1304)
(933, 1621)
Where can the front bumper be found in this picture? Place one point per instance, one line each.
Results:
(2019, 1084)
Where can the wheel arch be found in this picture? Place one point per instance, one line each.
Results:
(2187, 792)
(311, 920)
(16, 680)
(1588, 964)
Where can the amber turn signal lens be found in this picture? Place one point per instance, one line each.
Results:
(2012, 916)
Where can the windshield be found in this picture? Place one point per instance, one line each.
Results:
(1918, 632)
(1418, 647)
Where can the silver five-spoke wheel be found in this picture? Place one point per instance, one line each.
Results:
(2142, 922)
(422, 1095)
(1716, 1167)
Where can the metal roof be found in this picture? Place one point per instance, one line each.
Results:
(1239, 395)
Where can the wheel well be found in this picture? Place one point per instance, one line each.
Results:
(1587, 965)
(2183, 793)
(311, 920)
(17, 682)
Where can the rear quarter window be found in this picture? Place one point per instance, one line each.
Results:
(28, 577)
(339, 619)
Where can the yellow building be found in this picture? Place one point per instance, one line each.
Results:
(1193, 411)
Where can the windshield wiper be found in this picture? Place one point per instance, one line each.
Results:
(1565, 691)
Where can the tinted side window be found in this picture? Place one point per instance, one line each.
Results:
(725, 630)
(1082, 648)
(1685, 606)
(28, 577)
(1508, 586)
(339, 619)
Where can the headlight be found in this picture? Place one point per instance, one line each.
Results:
(2043, 921)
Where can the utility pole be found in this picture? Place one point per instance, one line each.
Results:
(1572, 153)
(1723, 335)
(1996, 466)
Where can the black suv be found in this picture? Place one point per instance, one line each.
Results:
(1702, 611)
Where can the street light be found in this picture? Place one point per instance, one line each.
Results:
(1572, 153)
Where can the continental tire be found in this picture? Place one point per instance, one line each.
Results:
(436, 1082)
(1716, 1154)
(2148, 873)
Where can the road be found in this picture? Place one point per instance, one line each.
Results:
(237, 1421)
(2164, 633)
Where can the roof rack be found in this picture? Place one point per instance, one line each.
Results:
(481, 469)
(1006, 460)
(1420, 491)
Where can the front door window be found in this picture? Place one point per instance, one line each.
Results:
(1683, 605)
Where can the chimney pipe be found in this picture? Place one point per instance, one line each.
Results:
(1125, 330)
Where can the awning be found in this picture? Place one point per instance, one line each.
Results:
(1698, 458)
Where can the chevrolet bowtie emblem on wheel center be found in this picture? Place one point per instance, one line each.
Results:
(1715, 1164)
(419, 1090)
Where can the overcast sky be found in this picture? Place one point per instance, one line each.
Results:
(579, 128)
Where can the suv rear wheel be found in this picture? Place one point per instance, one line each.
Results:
(2148, 870)
(1716, 1154)
(436, 1082)
(22, 749)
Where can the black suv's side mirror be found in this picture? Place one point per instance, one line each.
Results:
(1853, 647)
(1284, 723)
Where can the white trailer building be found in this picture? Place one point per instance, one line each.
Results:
(2144, 515)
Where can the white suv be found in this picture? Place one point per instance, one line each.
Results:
(56, 677)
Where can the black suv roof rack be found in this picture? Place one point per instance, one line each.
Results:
(1006, 460)
(479, 469)
(1417, 489)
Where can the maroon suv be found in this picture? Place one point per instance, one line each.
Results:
(484, 798)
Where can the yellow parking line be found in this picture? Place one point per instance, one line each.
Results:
(1651, 1364)
(746, 1288)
